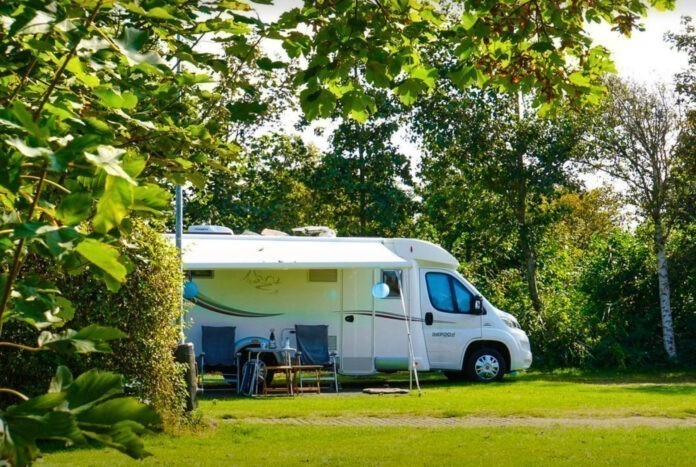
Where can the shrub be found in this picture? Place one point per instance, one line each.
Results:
(147, 308)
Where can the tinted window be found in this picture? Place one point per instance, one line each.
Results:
(463, 297)
(439, 291)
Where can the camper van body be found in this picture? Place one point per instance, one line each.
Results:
(267, 285)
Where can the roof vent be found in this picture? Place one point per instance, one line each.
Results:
(210, 229)
(314, 231)
(273, 233)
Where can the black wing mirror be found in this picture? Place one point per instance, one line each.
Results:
(477, 305)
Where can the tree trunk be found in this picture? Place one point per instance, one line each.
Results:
(663, 287)
(530, 270)
(362, 215)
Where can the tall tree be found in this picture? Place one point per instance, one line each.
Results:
(268, 187)
(505, 170)
(363, 184)
(633, 139)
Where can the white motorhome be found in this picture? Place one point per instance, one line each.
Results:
(263, 284)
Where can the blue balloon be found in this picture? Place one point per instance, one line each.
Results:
(190, 290)
(380, 290)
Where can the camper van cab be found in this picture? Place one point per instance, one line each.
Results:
(265, 285)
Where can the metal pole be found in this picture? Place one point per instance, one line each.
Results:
(178, 232)
(412, 371)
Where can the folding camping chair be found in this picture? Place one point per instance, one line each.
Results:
(218, 354)
(313, 349)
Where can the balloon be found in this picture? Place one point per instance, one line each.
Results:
(380, 290)
(190, 290)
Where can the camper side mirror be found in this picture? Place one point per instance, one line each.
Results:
(477, 305)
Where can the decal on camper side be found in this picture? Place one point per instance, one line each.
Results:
(263, 281)
(443, 334)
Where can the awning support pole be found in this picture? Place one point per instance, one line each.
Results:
(412, 370)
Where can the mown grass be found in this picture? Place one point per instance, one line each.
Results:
(564, 394)
(233, 441)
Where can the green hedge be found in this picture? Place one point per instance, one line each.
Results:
(146, 308)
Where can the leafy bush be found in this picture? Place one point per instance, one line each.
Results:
(146, 308)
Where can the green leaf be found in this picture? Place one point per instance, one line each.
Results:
(108, 158)
(317, 103)
(75, 67)
(120, 409)
(92, 387)
(376, 74)
(425, 74)
(112, 99)
(62, 379)
(104, 256)
(27, 121)
(358, 106)
(27, 150)
(409, 90)
(267, 64)
(579, 79)
(74, 208)
(468, 20)
(93, 338)
(151, 198)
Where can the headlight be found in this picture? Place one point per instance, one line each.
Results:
(511, 322)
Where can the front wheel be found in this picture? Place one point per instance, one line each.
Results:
(485, 365)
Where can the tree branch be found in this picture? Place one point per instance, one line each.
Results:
(20, 346)
(14, 393)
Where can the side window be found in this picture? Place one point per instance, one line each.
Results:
(463, 297)
(439, 291)
(390, 278)
(447, 294)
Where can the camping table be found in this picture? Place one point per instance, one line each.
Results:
(291, 372)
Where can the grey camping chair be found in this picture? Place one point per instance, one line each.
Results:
(313, 349)
(218, 354)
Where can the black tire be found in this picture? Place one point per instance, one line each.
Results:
(485, 365)
(455, 376)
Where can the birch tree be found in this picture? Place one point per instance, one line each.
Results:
(634, 140)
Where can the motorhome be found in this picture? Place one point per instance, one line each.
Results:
(265, 285)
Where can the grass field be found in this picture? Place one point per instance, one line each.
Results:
(566, 418)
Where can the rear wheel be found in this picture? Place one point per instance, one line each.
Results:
(485, 365)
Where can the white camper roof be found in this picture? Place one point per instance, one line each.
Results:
(254, 252)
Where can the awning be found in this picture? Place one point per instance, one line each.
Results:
(286, 253)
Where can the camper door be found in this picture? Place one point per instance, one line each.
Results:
(357, 322)
(448, 323)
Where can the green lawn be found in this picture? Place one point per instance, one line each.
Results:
(234, 439)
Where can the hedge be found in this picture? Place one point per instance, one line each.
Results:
(147, 308)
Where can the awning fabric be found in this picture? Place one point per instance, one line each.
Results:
(284, 253)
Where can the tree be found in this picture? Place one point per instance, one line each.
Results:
(539, 47)
(267, 188)
(500, 171)
(362, 184)
(93, 118)
(633, 139)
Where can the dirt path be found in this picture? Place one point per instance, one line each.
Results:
(475, 422)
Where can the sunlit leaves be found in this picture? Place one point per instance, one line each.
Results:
(108, 158)
(103, 256)
(93, 338)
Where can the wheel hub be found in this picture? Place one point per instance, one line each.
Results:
(487, 367)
